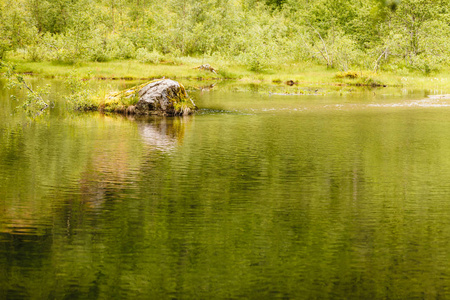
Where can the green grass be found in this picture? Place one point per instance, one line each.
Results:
(184, 68)
(128, 69)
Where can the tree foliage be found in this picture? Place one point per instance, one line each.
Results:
(342, 34)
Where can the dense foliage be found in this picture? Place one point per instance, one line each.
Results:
(343, 34)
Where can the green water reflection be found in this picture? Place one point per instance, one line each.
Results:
(331, 198)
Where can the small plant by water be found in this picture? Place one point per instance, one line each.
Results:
(80, 96)
(36, 100)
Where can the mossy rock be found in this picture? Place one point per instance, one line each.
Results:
(157, 97)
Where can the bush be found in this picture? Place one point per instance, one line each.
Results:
(126, 49)
(144, 56)
(348, 74)
(79, 96)
(255, 59)
(100, 55)
(4, 47)
(36, 52)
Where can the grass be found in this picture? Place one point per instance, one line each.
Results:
(302, 73)
(82, 98)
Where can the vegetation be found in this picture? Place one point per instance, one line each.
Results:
(35, 101)
(364, 42)
(80, 96)
(83, 98)
(259, 35)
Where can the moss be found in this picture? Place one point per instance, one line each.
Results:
(120, 101)
(181, 103)
(370, 81)
(125, 101)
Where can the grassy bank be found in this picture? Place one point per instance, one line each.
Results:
(185, 68)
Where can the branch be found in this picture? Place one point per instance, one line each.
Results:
(37, 95)
(16, 80)
(326, 56)
(379, 58)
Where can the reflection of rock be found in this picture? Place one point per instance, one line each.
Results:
(161, 132)
(207, 88)
(112, 170)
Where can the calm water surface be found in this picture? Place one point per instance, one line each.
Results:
(256, 196)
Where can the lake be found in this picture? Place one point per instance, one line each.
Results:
(328, 195)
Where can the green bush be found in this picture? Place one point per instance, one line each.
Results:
(144, 56)
(79, 96)
(347, 74)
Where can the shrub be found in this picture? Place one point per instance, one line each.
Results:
(144, 56)
(80, 96)
(347, 74)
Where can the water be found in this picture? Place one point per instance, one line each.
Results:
(257, 196)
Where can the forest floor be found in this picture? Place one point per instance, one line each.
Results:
(287, 74)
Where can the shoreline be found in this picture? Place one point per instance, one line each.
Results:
(286, 75)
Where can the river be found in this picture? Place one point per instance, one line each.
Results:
(336, 195)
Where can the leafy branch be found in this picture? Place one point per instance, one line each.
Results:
(35, 103)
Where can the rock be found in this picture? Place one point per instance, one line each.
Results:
(158, 97)
(166, 97)
(291, 82)
(206, 67)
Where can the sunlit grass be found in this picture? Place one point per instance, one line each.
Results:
(184, 68)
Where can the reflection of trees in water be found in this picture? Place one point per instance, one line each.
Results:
(118, 167)
(51, 221)
(98, 165)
